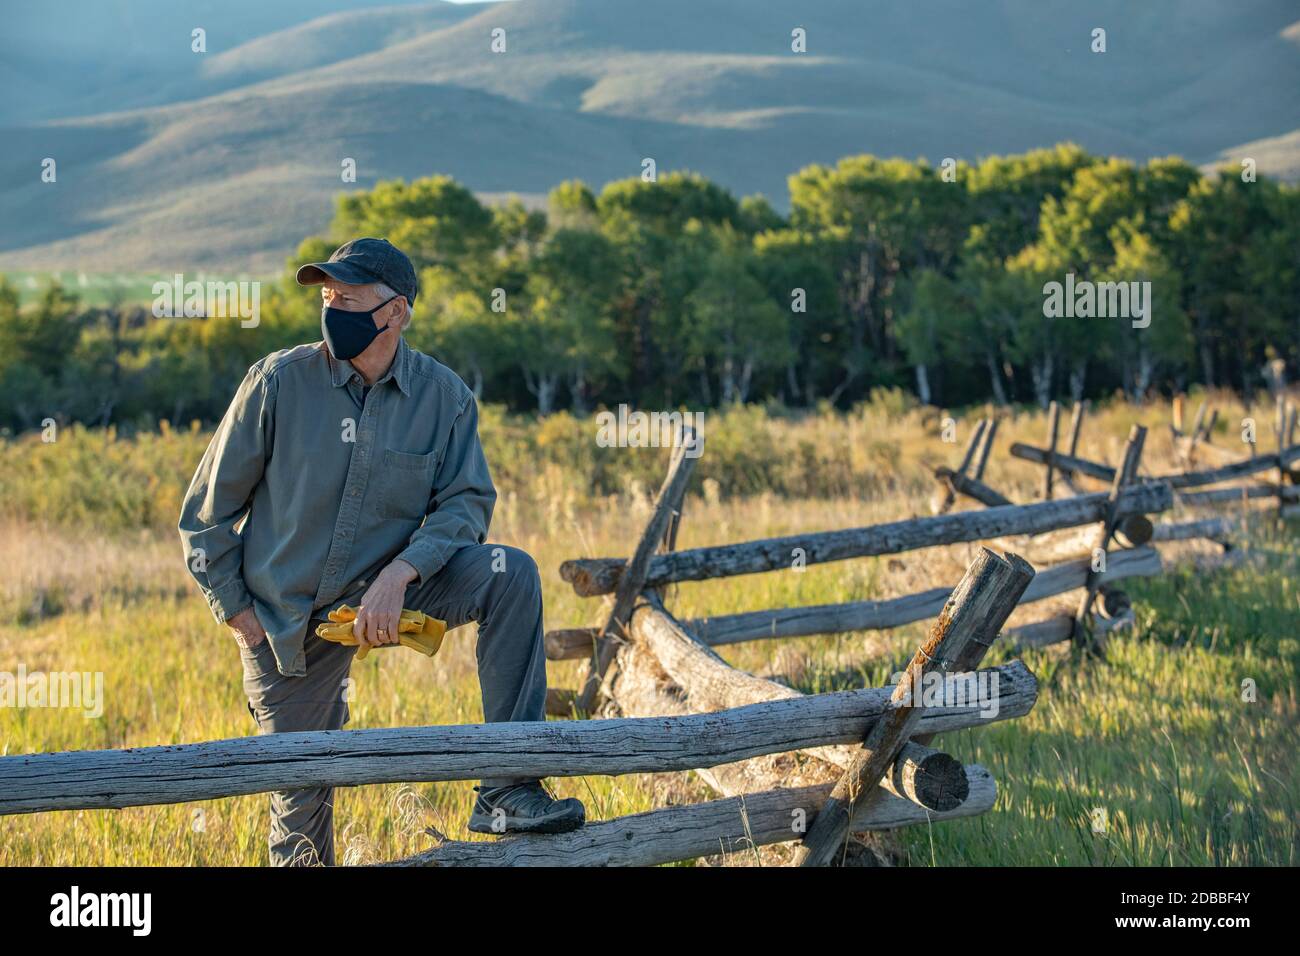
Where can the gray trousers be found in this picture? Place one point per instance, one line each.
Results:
(495, 585)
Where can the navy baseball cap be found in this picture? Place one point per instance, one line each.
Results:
(363, 261)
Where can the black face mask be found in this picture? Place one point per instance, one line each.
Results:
(347, 333)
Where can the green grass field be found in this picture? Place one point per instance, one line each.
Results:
(1157, 736)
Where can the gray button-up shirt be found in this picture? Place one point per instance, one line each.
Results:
(330, 485)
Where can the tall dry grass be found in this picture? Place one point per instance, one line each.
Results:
(1157, 736)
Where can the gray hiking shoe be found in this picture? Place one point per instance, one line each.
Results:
(524, 808)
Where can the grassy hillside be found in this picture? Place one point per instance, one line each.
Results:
(244, 160)
(78, 57)
(1157, 735)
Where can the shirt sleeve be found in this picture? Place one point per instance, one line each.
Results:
(220, 495)
(460, 507)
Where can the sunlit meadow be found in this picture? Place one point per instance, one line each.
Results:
(1156, 736)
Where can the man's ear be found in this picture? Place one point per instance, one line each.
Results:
(397, 309)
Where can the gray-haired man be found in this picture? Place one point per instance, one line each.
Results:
(355, 468)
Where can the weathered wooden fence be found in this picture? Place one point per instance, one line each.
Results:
(644, 661)
(788, 767)
(748, 721)
(1133, 532)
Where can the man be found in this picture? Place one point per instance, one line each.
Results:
(355, 467)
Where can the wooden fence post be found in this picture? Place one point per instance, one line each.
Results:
(1053, 427)
(1198, 420)
(949, 497)
(1124, 475)
(1286, 473)
(633, 578)
(975, 614)
(1072, 443)
(1201, 432)
(989, 434)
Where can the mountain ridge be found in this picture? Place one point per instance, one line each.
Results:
(587, 89)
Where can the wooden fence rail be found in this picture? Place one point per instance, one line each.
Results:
(593, 576)
(840, 762)
(178, 773)
(733, 825)
(1189, 479)
(883, 614)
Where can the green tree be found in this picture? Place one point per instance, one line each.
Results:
(569, 332)
(795, 268)
(435, 220)
(1166, 342)
(736, 329)
(931, 301)
(462, 329)
(572, 205)
(34, 343)
(1213, 233)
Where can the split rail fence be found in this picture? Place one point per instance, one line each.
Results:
(787, 767)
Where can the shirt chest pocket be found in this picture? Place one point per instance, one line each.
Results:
(405, 484)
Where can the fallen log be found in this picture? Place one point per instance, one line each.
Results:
(929, 778)
(667, 835)
(181, 773)
(709, 683)
(878, 615)
(641, 688)
(592, 576)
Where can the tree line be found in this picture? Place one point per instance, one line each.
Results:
(674, 292)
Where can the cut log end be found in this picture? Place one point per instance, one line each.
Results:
(1134, 530)
(933, 779)
(584, 583)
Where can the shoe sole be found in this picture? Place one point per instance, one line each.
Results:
(556, 823)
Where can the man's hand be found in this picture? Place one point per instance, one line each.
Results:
(247, 628)
(381, 605)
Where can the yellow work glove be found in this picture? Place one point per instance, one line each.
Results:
(415, 630)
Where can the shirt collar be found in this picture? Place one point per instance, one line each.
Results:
(341, 370)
